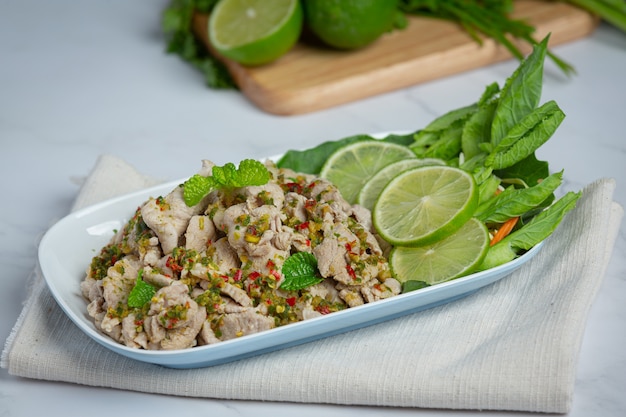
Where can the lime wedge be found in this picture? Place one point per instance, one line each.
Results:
(371, 189)
(423, 205)
(455, 256)
(351, 166)
(255, 32)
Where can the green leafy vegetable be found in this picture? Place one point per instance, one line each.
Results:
(300, 271)
(141, 293)
(249, 173)
(529, 171)
(177, 23)
(413, 285)
(310, 161)
(515, 202)
(538, 229)
(526, 136)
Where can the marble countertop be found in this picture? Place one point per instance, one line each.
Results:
(83, 78)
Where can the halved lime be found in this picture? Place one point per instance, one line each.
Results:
(351, 166)
(423, 205)
(455, 256)
(255, 32)
(371, 189)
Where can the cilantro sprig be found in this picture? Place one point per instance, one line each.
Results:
(249, 173)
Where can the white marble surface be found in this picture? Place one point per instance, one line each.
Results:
(82, 78)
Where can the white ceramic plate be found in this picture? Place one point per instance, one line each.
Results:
(67, 248)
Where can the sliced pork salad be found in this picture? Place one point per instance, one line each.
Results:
(232, 261)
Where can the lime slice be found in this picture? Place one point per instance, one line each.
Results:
(371, 190)
(423, 205)
(351, 166)
(255, 32)
(455, 256)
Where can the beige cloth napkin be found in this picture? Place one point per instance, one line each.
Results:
(511, 346)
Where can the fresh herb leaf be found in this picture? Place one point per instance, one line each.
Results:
(413, 285)
(141, 293)
(300, 271)
(521, 93)
(536, 230)
(526, 136)
(530, 170)
(448, 119)
(196, 187)
(249, 173)
(515, 202)
(477, 130)
(177, 24)
(447, 144)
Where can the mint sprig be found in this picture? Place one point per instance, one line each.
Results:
(300, 271)
(141, 293)
(250, 172)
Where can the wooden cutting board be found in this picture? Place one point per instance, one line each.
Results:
(312, 77)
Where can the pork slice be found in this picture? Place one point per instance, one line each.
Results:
(363, 216)
(224, 256)
(237, 294)
(200, 231)
(91, 288)
(331, 261)
(295, 206)
(169, 216)
(376, 290)
(268, 194)
(247, 322)
(129, 331)
(324, 191)
(120, 280)
(169, 329)
(352, 297)
(185, 337)
(156, 278)
(206, 336)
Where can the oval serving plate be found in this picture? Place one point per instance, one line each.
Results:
(67, 248)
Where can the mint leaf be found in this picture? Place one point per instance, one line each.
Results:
(300, 271)
(141, 293)
(226, 174)
(250, 172)
(196, 187)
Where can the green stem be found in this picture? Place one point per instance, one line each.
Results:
(613, 11)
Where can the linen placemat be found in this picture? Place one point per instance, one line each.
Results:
(512, 345)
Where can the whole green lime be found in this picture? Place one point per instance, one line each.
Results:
(349, 24)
